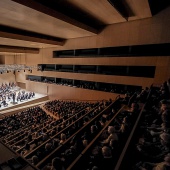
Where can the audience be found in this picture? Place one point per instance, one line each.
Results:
(29, 129)
(154, 140)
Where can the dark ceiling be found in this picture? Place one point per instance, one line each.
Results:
(43, 24)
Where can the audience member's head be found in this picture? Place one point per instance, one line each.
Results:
(93, 129)
(57, 164)
(165, 138)
(48, 146)
(111, 129)
(106, 152)
(34, 160)
(167, 158)
(63, 137)
(85, 142)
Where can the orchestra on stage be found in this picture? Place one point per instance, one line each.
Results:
(11, 93)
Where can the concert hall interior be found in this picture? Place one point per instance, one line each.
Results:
(84, 85)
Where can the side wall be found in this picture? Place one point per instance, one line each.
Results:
(7, 77)
(153, 30)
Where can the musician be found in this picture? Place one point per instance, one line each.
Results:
(19, 96)
(4, 102)
(13, 96)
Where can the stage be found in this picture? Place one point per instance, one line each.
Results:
(38, 98)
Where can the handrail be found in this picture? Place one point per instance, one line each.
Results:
(24, 137)
(58, 133)
(51, 130)
(16, 142)
(108, 123)
(128, 141)
(18, 155)
(40, 164)
(94, 140)
(131, 135)
(18, 130)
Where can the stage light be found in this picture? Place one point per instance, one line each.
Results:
(17, 67)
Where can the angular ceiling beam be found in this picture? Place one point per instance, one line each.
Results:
(15, 49)
(13, 33)
(28, 38)
(121, 8)
(53, 13)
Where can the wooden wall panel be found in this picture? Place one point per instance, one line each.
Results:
(23, 57)
(17, 59)
(9, 59)
(21, 76)
(20, 58)
(72, 93)
(37, 87)
(46, 55)
(65, 92)
(162, 70)
(2, 59)
(21, 85)
(33, 59)
(161, 75)
(121, 61)
(7, 77)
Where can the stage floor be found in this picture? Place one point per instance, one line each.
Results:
(17, 104)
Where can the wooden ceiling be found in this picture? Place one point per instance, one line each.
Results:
(42, 23)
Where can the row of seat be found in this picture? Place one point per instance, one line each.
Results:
(74, 137)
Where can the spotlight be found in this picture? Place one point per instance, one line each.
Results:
(16, 67)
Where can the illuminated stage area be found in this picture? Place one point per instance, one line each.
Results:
(14, 104)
